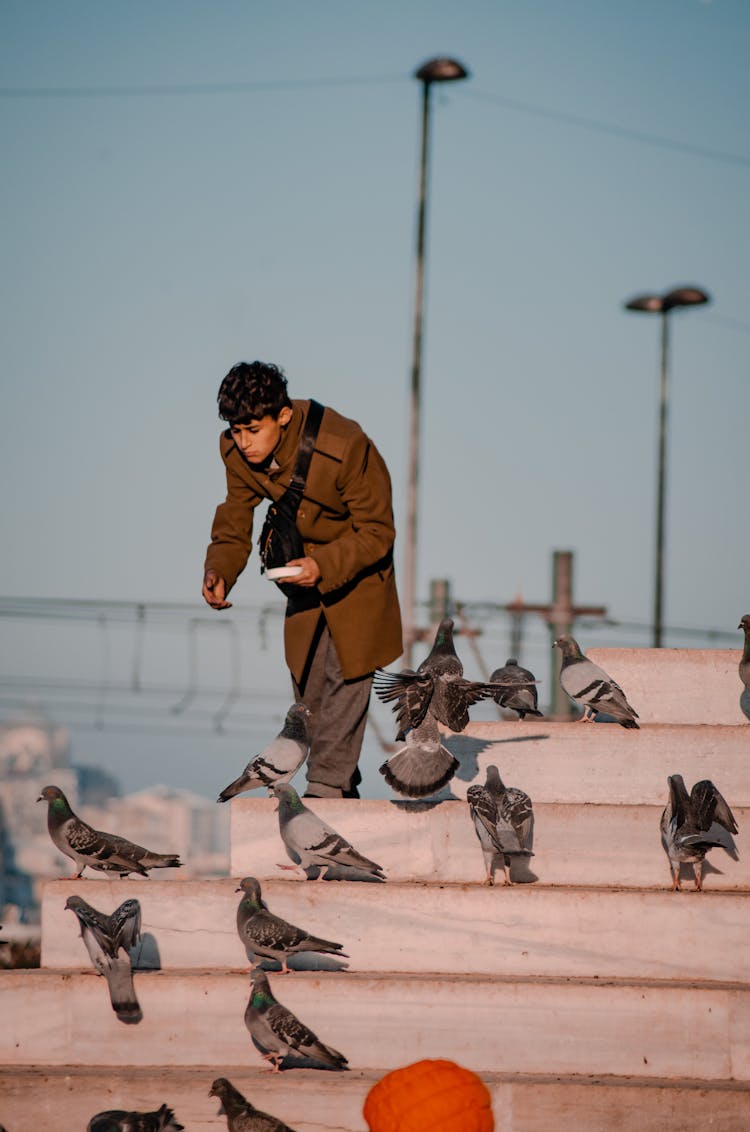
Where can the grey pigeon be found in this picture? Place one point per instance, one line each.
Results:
(686, 826)
(281, 759)
(423, 765)
(266, 936)
(277, 1032)
(745, 666)
(241, 1115)
(102, 851)
(586, 682)
(105, 937)
(120, 1120)
(314, 845)
(503, 820)
(521, 695)
(437, 684)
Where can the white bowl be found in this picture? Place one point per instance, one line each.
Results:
(279, 572)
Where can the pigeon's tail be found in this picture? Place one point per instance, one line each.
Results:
(161, 861)
(329, 1056)
(122, 992)
(631, 723)
(236, 787)
(325, 947)
(415, 774)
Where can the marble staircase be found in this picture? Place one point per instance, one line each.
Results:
(588, 994)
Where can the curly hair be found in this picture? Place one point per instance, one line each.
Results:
(251, 391)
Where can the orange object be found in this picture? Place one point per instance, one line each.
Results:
(429, 1096)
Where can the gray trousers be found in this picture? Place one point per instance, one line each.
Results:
(339, 713)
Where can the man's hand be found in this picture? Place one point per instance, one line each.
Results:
(214, 590)
(310, 575)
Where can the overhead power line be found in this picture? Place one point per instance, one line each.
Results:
(181, 89)
(605, 127)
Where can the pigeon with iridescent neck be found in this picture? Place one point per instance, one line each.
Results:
(105, 937)
(591, 686)
(265, 936)
(105, 852)
(241, 1115)
(281, 759)
(315, 846)
(277, 1032)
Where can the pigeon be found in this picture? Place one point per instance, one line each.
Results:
(745, 666)
(312, 844)
(281, 759)
(102, 851)
(104, 937)
(521, 696)
(503, 819)
(437, 684)
(424, 765)
(277, 1032)
(586, 682)
(686, 826)
(241, 1115)
(118, 1120)
(269, 937)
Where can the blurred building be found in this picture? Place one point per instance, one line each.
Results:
(35, 753)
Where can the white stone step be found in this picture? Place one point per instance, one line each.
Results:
(581, 844)
(511, 1025)
(471, 929)
(678, 685)
(602, 762)
(34, 1100)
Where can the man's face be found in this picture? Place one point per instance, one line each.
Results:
(258, 439)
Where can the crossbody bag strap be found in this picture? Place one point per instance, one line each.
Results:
(305, 449)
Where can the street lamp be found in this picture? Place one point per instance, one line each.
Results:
(662, 305)
(433, 71)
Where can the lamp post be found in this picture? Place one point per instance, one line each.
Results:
(662, 305)
(433, 71)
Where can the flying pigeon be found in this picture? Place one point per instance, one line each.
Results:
(313, 844)
(586, 682)
(424, 765)
(102, 851)
(521, 695)
(277, 1032)
(118, 1120)
(281, 759)
(745, 666)
(241, 1115)
(686, 826)
(503, 820)
(437, 685)
(104, 937)
(269, 937)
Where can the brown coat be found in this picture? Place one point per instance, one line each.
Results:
(346, 522)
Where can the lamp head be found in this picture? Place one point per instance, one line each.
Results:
(441, 70)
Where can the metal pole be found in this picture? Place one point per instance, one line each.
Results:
(410, 558)
(661, 483)
(561, 622)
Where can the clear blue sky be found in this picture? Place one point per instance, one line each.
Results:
(153, 239)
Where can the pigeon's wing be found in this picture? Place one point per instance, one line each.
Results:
(126, 925)
(423, 765)
(454, 697)
(90, 844)
(300, 1037)
(410, 692)
(96, 930)
(709, 806)
(587, 682)
(483, 810)
(517, 810)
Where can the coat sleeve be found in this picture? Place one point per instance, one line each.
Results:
(364, 486)
(231, 532)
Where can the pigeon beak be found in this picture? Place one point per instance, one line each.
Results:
(40, 798)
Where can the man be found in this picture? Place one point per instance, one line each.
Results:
(350, 623)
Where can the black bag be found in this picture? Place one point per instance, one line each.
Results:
(280, 541)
